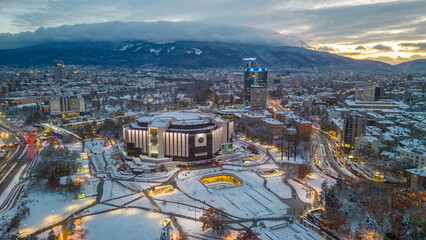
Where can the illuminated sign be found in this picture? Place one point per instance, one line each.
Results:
(249, 59)
(153, 141)
(256, 69)
(227, 147)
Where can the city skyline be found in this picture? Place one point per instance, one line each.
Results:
(216, 119)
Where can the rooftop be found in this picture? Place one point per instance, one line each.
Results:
(418, 171)
(369, 139)
(272, 121)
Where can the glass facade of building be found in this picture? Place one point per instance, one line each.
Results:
(253, 75)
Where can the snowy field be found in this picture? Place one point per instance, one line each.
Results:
(47, 208)
(113, 190)
(96, 146)
(137, 186)
(301, 192)
(298, 160)
(181, 204)
(277, 185)
(132, 223)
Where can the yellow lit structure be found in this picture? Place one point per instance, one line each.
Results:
(271, 173)
(221, 178)
(161, 190)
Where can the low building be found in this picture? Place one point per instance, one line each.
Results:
(368, 142)
(253, 118)
(337, 113)
(304, 129)
(365, 92)
(413, 157)
(416, 178)
(181, 136)
(67, 106)
(274, 127)
(373, 104)
(285, 117)
(368, 92)
(13, 101)
(337, 124)
(230, 113)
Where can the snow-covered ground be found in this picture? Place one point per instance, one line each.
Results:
(90, 187)
(277, 185)
(138, 186)
(315, 180)
(97, 146)
(113, 190)
(77, 146)
(137, 219)
(126, 224)
(49, 207)
(192, 228)
(301, 192)
(277, 157)
(98, 162)
(283, 231)
(275, 153)
(250, 200)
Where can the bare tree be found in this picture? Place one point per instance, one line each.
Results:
(214, 220)
(303, 171)
(247, 235)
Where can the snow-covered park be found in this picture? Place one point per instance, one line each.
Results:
(117, 201)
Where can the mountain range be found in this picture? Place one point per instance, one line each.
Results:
(191, 54)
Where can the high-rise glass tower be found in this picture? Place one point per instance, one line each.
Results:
(254, 75)
(59, 70)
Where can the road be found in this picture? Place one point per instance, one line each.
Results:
(330, 158)
(59, 130)
(11, 166)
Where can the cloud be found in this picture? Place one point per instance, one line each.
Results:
(159, 32)
(414, 47)
(327, 49)
(417, 56)
(326, 21)
(381, 47)
(307, 23)
(396, 60)
(379, 22)
(349, 53)
(305, 44)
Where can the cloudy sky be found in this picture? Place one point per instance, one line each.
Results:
(386, 30)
